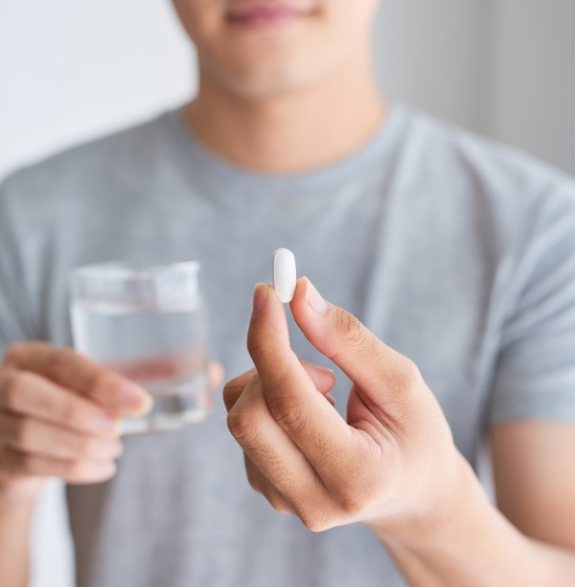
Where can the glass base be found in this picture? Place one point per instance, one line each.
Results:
(174, 408)
(163, 422)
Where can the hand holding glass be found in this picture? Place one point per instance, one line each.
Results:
(149, 324)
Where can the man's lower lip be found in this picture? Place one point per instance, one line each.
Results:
(264, 18)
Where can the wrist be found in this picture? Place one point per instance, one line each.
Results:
(458, 493)
(464, 536)
(18, 495)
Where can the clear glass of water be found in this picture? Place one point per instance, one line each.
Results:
(149, 324)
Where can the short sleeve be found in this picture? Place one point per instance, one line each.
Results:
(16, 321)
(535, 372)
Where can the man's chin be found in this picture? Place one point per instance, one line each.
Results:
(259, 85)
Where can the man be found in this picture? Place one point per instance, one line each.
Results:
(456, 253)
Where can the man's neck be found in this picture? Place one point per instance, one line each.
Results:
(294, 133)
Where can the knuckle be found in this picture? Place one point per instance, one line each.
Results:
(14, 353)
(228, 390)
(28, 462)
(82, 447)
(351, 502)
(60, 362)
(242, 427)
(283, 508)
(17, 381)
(67, 412)
(23, 432)
(253, 480)
(257, 488)
(104, 382)
(74, 470)
(287, 411)
(257, 347)
(277, 502)
(238, 382)
(82, 471)
(409, 375)
(362, 489)
(12, 388)
(350, 328)
(230, 393)
(102, 378)
(313, 522)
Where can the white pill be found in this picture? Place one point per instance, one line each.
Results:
(284, 274)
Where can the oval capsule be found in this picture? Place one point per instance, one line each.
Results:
(284, 274)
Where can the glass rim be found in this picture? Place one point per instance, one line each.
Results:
(127, 270)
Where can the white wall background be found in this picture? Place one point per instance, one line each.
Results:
(504, 68)
(70, 70)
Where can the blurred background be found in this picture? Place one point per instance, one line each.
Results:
(70, 71)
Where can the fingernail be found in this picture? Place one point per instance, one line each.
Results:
(108, 423)
(325, 370)
(105, 423)
(111, 449)
(104, 471)
(116, 449)
(260, 297)
(134, 397)
(314, 300)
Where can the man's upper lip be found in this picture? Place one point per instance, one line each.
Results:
(246, 8)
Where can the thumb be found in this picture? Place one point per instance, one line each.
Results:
(375, 367)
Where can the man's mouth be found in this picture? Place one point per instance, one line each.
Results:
(261, 13)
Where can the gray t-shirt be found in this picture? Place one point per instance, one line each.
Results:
(456, 252)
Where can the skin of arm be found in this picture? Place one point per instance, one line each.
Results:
(534, 477)
(392, 464)
(15, 523)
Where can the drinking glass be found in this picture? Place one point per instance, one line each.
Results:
(148, 323)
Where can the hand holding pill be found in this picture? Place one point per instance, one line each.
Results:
(388, 464)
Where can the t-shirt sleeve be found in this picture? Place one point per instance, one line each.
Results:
(535, 372)
(16, 320)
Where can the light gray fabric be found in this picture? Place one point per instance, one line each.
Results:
(456, 252)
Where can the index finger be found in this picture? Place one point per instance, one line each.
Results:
(77, 373)
(323, 379)
(322, 435)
